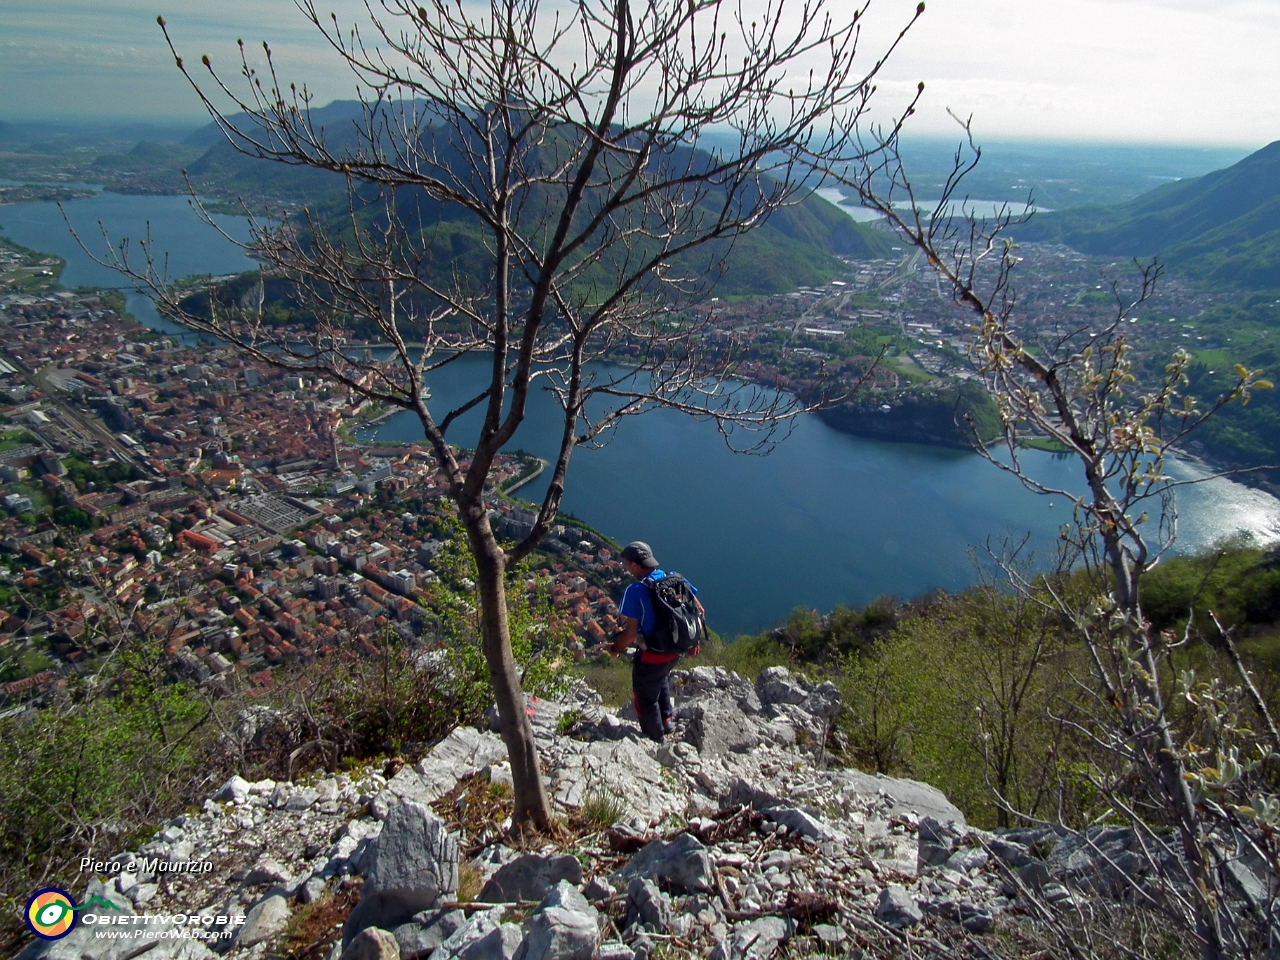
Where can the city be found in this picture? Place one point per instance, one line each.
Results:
(220, 502)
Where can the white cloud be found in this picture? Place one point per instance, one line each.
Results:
(1171, 70)
(1153, 70)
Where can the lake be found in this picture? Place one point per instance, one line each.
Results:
(825, 519)
(192, 246)
(980, 209)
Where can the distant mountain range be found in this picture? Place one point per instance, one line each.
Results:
(1222, 229)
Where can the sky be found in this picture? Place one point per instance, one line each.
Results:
(1141, 71)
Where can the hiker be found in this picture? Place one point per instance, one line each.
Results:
(664, 627)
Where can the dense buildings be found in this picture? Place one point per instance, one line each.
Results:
(218, 504)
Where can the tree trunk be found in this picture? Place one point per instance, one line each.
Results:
(1168, 766)
(531, 805)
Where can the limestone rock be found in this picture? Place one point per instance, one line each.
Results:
(412, 864)
(483, 937)
(972, 918)
(426, 931)
(755, 940)
(1034, 875)
(414, 851)
(682, 862)
(646, 904)
(1015, 855)
(464, 752)
(776, 685)
(302, 799)
(530, 877)
(823, 700)
(407, 784)
(896, 908)
(266, 870)
(563, 927)
(372, 943)
(267, 918)
(903, 796)
(931, 855)
(932, 830)
(967, 858)
(235, 790)
(829, 935)
(797, 821)
(721, 727)
(622, 770)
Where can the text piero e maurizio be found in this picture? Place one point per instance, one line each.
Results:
(145, 865)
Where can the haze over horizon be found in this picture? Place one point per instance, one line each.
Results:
(1126, 71)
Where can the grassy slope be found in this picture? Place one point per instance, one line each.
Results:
(1222, 228)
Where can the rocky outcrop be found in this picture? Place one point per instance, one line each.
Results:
(410, 866)
(734, 837)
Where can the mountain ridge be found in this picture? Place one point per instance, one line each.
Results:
(1222, 229)
(796, 246)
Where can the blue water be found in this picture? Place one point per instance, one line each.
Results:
(825, 519)
(978, 209)
(183, 243)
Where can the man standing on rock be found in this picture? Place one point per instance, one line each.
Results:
(651, 670)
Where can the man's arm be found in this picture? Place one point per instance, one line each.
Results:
(627, 637)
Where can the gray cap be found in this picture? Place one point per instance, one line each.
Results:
(637, 551)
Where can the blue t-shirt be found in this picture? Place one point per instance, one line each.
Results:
(638, 604)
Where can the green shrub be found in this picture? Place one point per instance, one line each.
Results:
(94, 767)
(101, 761)
(956, 695)
(746, 656)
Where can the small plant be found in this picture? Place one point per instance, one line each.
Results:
(311, 931)
(568, 720)
(498, 790)
(603, 808)
(470, 881)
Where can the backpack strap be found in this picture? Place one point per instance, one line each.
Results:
(650, 584)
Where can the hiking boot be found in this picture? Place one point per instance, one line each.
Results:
(668, 726)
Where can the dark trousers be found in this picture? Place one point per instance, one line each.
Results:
(651, 687)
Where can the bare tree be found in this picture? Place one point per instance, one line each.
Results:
(1199, 806)
(574, 144)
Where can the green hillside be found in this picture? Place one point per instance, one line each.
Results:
(796, 247)
(1222, 229)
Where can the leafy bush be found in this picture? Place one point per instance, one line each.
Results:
(97, 763)
(92, 769)
(746, 656)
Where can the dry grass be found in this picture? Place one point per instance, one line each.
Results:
(477, 810)
(470, 882)
(315, 927)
